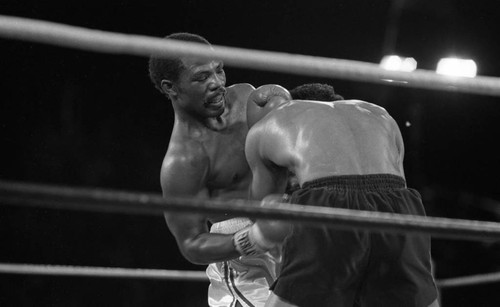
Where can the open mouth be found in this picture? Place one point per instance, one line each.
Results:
(215, 102)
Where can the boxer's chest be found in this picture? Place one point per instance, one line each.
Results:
(229, 169)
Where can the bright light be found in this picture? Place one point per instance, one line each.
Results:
(457, 67)
(394, 62)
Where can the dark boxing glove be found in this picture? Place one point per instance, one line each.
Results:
(264, 99)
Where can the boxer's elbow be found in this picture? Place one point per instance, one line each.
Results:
(205, 251)
(194, 253)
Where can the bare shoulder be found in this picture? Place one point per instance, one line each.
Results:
(368, 105)
(241, 87)
(237, 97)
(271, 141)
(240, 90)
(185, 153)
(184, 161)
(273, 127)
(372, 109)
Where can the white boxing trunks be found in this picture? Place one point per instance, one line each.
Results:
(245, 280)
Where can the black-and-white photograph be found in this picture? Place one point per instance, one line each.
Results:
(250, 153)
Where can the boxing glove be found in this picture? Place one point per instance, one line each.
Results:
(250, 241)
(263, 100)
(264, 234)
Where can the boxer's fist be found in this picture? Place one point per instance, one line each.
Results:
(250, 241)
(264, 99)
(264, 94)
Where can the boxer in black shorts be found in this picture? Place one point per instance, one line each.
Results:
(344, 154)
(376, 269)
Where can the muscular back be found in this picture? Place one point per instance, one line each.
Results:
(319, 139)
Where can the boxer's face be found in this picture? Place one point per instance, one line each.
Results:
(201, 87)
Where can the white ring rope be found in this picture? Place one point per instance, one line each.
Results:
(108, 42)
(83, 271)
(469, 280)
(16, 193)
(181, 275)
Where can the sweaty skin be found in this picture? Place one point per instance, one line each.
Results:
(318, 139)
(205, 156)
(314, 140)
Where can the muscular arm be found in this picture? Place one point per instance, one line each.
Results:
(184, 174)
(269, 179)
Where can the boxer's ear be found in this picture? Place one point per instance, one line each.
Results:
(168, 88)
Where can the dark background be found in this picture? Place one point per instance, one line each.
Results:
(85, 119)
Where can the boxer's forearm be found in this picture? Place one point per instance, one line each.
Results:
(261, 237)
(209, 248)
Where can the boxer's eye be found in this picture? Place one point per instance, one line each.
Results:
(200, 77)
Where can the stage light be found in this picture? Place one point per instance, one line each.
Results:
(457, 67)
(395, 62)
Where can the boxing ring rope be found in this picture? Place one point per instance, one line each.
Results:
(106, 272)
(469, 280)
(109, 42)
(101, 200)
(181, 275)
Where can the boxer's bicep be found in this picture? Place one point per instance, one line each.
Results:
(265, 179)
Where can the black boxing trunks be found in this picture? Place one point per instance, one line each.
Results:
(326, 267)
